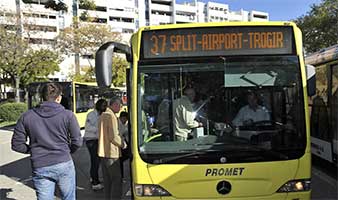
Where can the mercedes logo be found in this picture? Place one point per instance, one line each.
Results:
(223, 159)
(223, 187)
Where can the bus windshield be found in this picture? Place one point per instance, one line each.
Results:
(221, 110)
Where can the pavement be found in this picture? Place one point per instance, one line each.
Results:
(16, 177)
(16, 174)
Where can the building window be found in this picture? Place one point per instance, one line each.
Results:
(40, 28)
(101, 8)
(41, 41)
(260, 16)
(126, 30)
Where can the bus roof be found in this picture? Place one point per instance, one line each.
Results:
(215, 24)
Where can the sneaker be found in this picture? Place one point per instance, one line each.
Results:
(97, 187)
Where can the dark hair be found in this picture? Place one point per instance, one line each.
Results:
(101, 106)
(252, 93)
(124, 114)
(51, 91)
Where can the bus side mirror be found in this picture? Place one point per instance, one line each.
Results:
(311, 80)
(104, 61)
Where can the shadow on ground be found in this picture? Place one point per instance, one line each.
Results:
(21, 172)
(4, 192)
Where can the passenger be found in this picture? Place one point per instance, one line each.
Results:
(162, 120)
(123, 128)
(109, 149)
(251, 113)
(184, 116)
(91, 137)
(53, 133)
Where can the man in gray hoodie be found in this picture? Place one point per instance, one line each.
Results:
(54, 134)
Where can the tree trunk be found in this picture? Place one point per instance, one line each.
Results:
(17, 89)
(77, 63)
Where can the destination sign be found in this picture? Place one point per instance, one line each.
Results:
(217, 41)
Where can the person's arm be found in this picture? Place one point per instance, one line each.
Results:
(266, 114)
(238, 121)
(114, 135)
(75, 134)
(188, 115)
(19, 138)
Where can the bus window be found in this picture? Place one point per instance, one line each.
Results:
(34, 98)
(85, 96)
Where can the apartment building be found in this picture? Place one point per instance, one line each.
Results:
(41, 25)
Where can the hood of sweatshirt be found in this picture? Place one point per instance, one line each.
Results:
(49, 109)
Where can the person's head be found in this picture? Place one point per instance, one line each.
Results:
(252, 99)
(190, 93)
(52, 92)
(101, 106)
(115, 104)
(124, 117)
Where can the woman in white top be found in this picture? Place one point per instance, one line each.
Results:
(91, 138)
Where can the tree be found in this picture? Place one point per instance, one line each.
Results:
(86, 5)
(21, 63)
(86, 38)
(120, 65)
(320, 26)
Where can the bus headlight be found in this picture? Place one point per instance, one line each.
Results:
(150, 190)
(296, 186)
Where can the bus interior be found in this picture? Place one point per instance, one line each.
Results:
(221, 86)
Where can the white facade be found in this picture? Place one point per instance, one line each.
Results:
(40, 25)
(124, 16)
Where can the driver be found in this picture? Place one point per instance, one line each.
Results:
(252, 112)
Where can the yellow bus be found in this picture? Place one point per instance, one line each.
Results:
(222, 62)
(79, 97)
(324, 105)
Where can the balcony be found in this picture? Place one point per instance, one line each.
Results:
(123, 13)
(159, 7)
(122, 25)
(158, 19)
(185, 8)
(186, 19)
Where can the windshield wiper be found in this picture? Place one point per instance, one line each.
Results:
(194, 153)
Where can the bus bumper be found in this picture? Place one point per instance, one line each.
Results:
(276, 196)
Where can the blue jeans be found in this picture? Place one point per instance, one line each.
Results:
(62, 174)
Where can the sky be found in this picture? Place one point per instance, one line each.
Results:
(279, 10)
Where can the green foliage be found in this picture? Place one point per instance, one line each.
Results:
(58, 6)
(21, 64)
(84, 16)
(87, 5)
(119, 70)
(87, 76)
(320, 26)
(19, 61)
(12, 111)
(85, 39)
